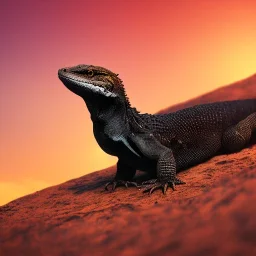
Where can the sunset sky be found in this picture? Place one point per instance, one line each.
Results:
(164, 51)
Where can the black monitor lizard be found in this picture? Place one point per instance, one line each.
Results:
(161, 144)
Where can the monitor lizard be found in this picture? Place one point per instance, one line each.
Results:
(160, 144)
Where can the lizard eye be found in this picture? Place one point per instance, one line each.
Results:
(90, 73)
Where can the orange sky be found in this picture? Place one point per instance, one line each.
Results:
(164, 51)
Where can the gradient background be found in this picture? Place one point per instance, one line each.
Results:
(165, 52)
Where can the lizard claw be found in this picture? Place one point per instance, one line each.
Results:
(177, 181)
(116, 183)
(152, 185)
(165, 188)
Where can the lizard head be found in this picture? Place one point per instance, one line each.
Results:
(88, 80)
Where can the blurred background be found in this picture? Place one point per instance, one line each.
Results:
(165, 51)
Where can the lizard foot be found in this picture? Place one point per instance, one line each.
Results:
(152, 185)
(116, 183)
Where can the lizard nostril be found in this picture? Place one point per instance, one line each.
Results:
(64, 69)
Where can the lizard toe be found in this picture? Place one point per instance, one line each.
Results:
(156, 185)
(152, 185)
(111, 183)
(177, 181)
(119, 183)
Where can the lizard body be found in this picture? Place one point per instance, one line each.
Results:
(161, 144)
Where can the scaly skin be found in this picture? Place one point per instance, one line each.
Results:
(159, 144)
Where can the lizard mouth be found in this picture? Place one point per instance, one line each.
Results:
(71, 80)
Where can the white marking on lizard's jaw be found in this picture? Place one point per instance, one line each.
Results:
(92, 87)
(98, 89)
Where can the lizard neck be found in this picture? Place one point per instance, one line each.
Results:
(110, 121)
(117, 116)
(105, 111)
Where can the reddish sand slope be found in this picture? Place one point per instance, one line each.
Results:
(213, 214)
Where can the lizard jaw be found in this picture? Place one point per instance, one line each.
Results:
(72, 80)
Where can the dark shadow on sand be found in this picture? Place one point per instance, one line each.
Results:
(100, 182)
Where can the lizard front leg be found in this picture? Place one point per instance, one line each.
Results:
(124, 176)
(166, 165)
(166, 174)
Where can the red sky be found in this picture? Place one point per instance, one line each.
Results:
(164, 51)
